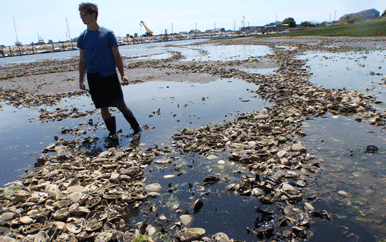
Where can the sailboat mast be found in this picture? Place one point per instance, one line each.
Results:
(14, 25)
(69, 36)
(68, 29)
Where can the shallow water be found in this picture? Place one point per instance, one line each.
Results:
(206, 52)
(137, 50)
(351, 182)
(212, 52)
(262, 71)
(163, 50)
(166, 106)
(347, 70)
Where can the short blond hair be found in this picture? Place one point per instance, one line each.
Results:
(89, 8)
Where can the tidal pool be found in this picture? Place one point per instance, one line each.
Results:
(165, 107)
(351, 183)
(182, 184)
(211, 52)
(362, 71)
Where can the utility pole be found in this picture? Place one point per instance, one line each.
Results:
(334, 15)
(330, 17)
(234, 26)
(172, 29)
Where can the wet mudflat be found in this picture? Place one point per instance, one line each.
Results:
(308, 166)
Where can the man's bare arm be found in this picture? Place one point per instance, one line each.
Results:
(119, 63)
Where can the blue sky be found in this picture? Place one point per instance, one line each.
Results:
(48, 18)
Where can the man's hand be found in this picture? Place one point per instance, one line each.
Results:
(125, 80)
(81, 85)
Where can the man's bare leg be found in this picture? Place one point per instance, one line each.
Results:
(105, 113)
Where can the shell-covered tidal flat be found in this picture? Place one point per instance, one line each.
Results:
(79, 193)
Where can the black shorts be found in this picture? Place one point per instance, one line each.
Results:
(105, 91)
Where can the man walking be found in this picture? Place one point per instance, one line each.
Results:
(99, 55)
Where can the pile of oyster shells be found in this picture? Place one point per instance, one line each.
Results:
(38, 68)
(62, 113)
(71, 197)
(20, 98)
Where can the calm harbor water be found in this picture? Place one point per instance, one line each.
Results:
(351, 183)
(161, 50)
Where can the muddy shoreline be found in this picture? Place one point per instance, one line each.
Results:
(265, 143)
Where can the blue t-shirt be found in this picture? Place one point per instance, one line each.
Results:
(97, 47)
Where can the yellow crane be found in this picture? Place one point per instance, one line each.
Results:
(148, 31)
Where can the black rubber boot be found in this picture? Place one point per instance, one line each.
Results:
(111, 125)
(129, 116)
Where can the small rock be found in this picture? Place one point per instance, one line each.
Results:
(257, 192)
(212, 157)
(281, 153)
(371, 149)
(26, 220)
(267, 142)
(169, 176)
(103, 236)
(198, 204)
(22, 195)
(7, 239)
(163, 161)
(6, 216)
(186, 220)
(220, 237)
(191, 234)
(343, 193)
(308, 206)
(261, 116)
(151, 230)
(52, 190)
(75, 197)
(114, 175)
(154, 194)
(75, 189)
(288, 188)
(155, 187)
(298, 147)
(252, 144)
(211, 179)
